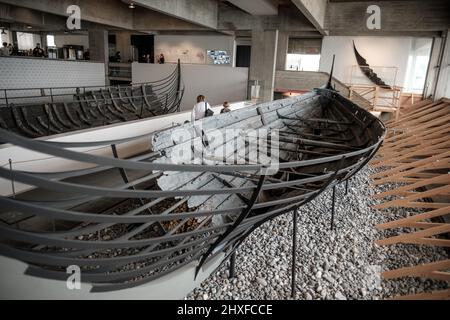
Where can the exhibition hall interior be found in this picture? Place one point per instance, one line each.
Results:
(224, 150)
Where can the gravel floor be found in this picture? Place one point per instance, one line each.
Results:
(343, 264)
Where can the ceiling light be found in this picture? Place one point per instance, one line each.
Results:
(131, 6)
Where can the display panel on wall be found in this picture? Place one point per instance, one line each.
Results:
(218, 57)
(172, 55)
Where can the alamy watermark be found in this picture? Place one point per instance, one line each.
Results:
(73, 282)
(74, 20)
(374, 20)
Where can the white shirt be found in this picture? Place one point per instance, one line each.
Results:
(4, 51)
(199, 111)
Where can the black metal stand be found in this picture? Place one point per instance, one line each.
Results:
(333, 202)
(12, 179)
(346, 187)
(294, 255)
(233, 265)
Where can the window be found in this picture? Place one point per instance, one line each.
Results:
(303, 54)
(5, 37)
(303, 62)
(27, 41)
(418, 61)
(51, 41)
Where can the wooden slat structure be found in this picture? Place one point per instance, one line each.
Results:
(416, 159)
(380, 99)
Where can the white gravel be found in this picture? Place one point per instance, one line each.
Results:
(339, 265)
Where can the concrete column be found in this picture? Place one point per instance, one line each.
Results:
(98, 47)
(263, 61)
(442, 85)
(283, 43)
(433, 69)
(123, 44)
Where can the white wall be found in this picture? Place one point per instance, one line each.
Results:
(174, 47)
(217, 83)
(447, 92)
(77, 40)
(43, 73)
(379, 51)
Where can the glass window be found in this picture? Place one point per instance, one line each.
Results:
(51, 41)
(27, 41)
(418, 61)
(303, 54)
(5, 37)
(303, 62)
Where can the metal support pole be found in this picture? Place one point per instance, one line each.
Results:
(12, 179)
(6, 98)
(233, 265)
(104, 112)
(346, 187)
(333, 200)
(294, 255)
(48, 119)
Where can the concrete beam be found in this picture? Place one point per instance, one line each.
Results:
(105, 12)
(397, 18)
(257, 7)
(289, 19)
(200, 12)
(146, 20)
(315, 11)
(113, 14)
(19, 17)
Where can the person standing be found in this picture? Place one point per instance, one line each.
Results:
(226, 108)
(11, 49)
(118, 57)
(38, 51)
(200, 109)
(162, 59)
(4, 50)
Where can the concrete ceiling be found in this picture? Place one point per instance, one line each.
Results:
(334, 17)
(257, 7)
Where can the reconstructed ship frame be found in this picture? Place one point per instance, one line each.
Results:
(167, 215)
(368, 71)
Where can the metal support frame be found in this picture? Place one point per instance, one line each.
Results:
(294, 254)
(232, 270)
(333, 204)
(13, 188)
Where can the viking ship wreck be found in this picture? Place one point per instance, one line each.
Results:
(130, 223)
(49, 111)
